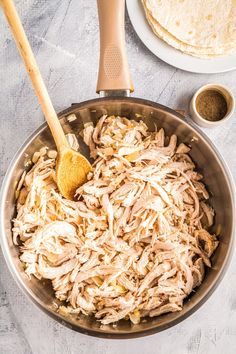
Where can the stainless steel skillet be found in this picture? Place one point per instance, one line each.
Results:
(113, 82)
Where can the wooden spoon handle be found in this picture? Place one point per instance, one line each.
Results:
(33, 71)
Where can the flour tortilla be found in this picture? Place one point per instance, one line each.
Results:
(203, 28)
(186, 48)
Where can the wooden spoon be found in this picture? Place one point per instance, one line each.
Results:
(71, 167)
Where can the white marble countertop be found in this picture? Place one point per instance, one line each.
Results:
(64, 36)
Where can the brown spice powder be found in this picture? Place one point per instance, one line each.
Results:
(211, 105)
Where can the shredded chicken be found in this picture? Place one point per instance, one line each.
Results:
(136, 239)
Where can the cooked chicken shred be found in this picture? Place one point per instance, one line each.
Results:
(135, 241)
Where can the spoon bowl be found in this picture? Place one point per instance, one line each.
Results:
(71, 171)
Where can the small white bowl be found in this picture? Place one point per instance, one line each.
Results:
(228, 95)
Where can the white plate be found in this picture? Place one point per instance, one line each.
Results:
(171, 55)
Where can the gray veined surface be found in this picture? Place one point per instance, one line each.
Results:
(64, 35)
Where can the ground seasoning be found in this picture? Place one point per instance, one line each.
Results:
(211, 105)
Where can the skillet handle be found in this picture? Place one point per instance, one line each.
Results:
(113, 72)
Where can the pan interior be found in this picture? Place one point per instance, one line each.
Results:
(209, 164)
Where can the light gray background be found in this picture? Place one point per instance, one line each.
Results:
(64, 36)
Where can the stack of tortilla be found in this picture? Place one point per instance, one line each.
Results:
(202, 28)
